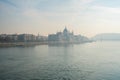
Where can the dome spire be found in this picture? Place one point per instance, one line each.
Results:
(65, 30)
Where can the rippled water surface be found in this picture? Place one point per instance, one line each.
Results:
(90, 61)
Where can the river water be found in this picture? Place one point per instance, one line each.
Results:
(89, 61)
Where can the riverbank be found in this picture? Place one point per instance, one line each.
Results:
(14, 44)
(24, 44)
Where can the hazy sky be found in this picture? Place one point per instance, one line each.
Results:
(86, 17)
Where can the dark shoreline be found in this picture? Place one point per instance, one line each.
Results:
(18, 44)
(25, 44)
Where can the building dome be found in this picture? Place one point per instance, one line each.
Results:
(65, 30)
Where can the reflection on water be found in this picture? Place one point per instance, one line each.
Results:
(60, 45)
(91, 61)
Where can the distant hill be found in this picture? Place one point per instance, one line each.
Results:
(107, 36)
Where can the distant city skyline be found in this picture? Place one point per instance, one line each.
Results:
(85, 17)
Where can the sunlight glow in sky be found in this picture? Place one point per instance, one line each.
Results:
(86, 17)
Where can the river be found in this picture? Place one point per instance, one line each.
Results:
(89, 61)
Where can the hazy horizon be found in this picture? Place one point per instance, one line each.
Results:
(85, 17)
